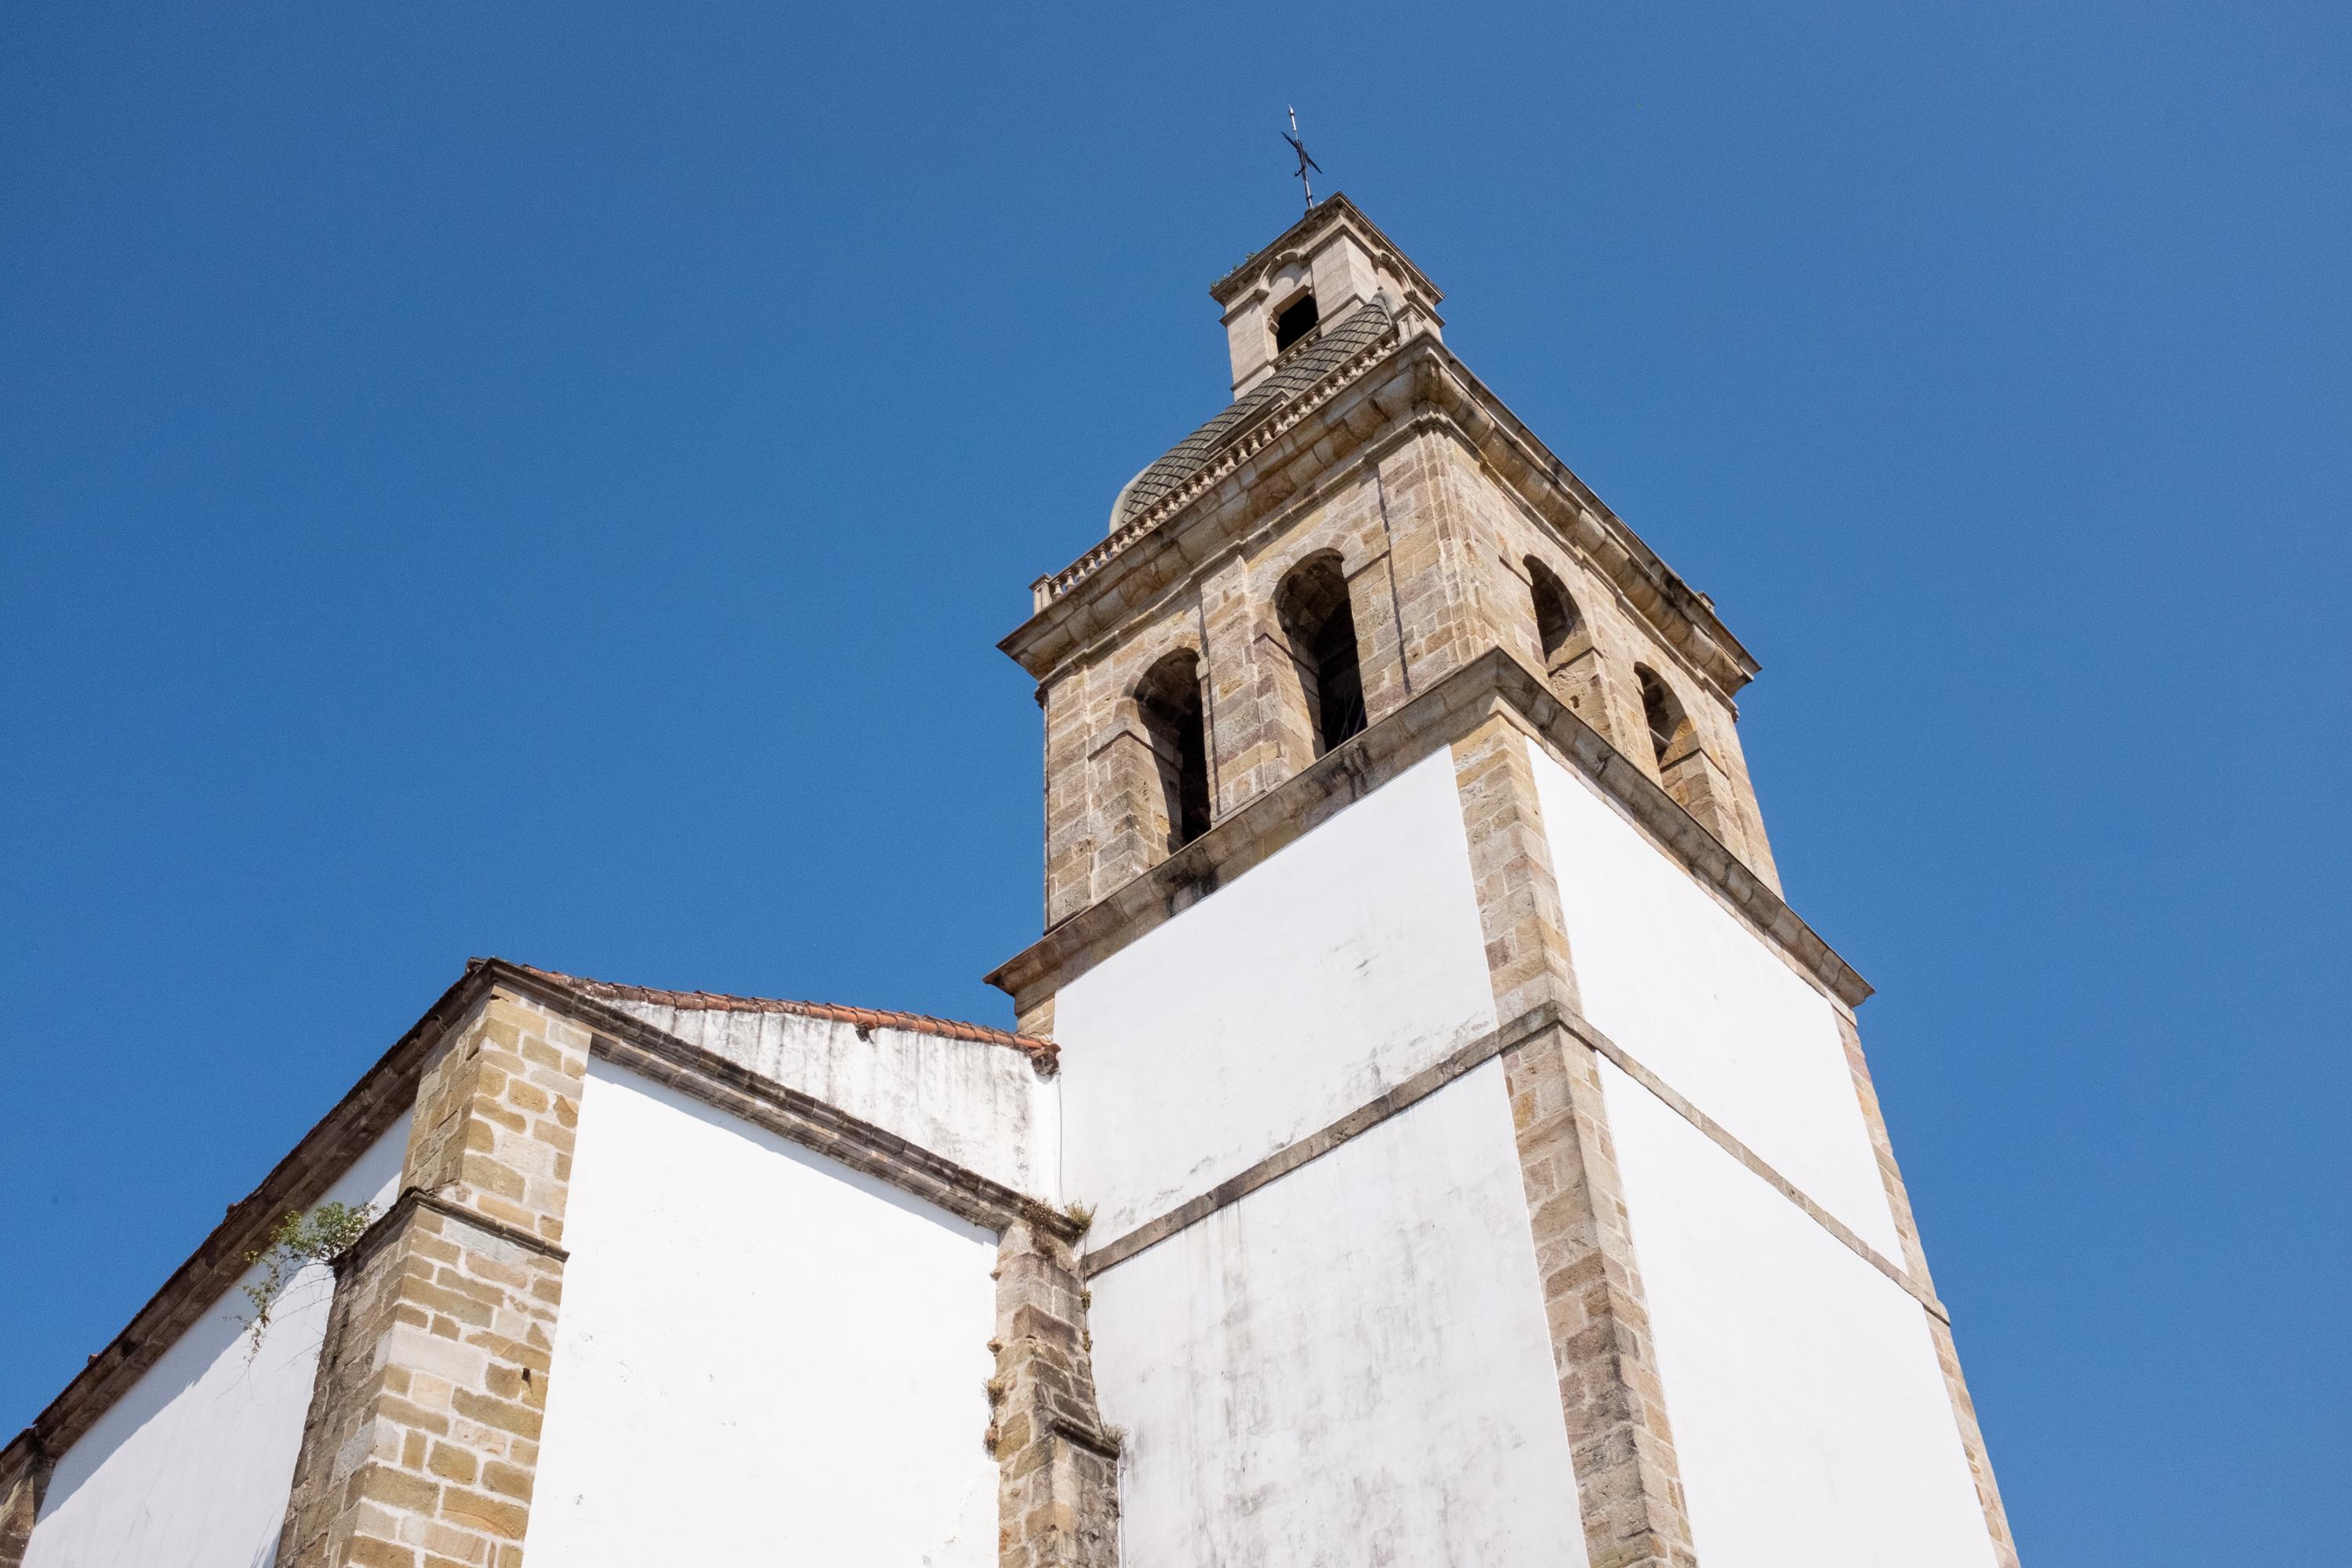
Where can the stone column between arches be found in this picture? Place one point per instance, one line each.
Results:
(421, 1446)
(1628, 1480)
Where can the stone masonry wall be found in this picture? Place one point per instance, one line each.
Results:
(1405, 534)
(1057, 1493)
(422, 1442)
(20, 1504)
(1629, 1484)
(1720, 792)
(1432, 547)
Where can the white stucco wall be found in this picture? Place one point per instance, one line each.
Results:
(1343, 965)
(1810, 1416)
(192, 1466)
(982, 1105)
(1709, 1006)
(763, 1355)
(1349, 1366)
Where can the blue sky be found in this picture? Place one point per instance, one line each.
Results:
(548, 482)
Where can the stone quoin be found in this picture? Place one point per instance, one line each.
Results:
(1429, 1136)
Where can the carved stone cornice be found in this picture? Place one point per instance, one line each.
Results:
(1495, 683)
(1396, 383)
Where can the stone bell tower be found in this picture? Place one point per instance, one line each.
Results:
(1482, 1160)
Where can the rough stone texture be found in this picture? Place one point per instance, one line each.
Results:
(1498, 680)
(1441, 602)
(1700, 786)
(1070, 836)
(1707, 774)
(1374, 466)
(1914, 1260)
(1629, 1485)
(1511, 866)
(1058, 1495)
(422, 1441)
(24, 1479)
(1133, 819)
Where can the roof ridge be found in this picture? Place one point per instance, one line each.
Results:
(861, 1017)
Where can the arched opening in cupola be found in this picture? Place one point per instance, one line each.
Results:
(1295, 321)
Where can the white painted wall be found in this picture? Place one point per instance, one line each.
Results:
(763, 1355)
(1810, 1416)
(1349, 1366)
(1343, 965)
(1708, 1005)
(981, 1105)
(192, 1466)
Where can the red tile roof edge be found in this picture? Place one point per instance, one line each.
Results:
(862, 1017)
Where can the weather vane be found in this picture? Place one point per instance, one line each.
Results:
(1305, 163)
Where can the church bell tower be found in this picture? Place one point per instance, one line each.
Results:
(1482, 1162)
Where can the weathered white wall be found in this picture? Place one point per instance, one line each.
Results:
(1340, 966)
(1706, 1004)
(763, 1355)
(1809, 1415)
(982, 1105)
(192, 1466)
(1349, 1366)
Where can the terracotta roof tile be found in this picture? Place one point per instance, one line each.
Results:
(861, 1017)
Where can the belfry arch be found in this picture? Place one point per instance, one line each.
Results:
(1319, 626)
(1168, 701)
(1693, 778)
(1572, 665)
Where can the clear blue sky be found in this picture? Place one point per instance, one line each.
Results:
(548, 482)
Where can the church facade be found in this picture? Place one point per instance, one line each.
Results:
(1429, 1136)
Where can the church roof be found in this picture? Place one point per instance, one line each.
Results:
(860, 1018)
(1294, 372)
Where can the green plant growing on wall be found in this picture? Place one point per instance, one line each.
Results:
(323, 1234)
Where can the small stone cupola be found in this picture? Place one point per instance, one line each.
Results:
(1327, 264)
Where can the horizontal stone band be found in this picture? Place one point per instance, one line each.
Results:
(1356, 1122)
(1432, 1078)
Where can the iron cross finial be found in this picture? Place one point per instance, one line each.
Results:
(1305, 163)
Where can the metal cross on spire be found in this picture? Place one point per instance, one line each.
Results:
(1305, 163)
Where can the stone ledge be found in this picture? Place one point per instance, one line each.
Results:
(1495, 682)
(1085, 1437)
(1399, 1096)
(1920, 1290)
(387, 1225)
(1438, 1075)
(725, 1085)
